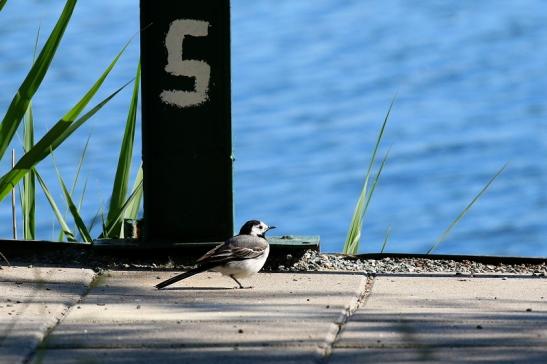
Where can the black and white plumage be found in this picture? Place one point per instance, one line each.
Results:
(238, 257)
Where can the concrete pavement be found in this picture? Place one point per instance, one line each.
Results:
(51, 315)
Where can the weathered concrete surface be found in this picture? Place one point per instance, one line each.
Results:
(448, 320)
(213, 355)
(68, 316)
(285, 316)
(31, 303)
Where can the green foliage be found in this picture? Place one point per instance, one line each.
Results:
(123, 170)
(458, 218)
(49, 142)
(21, 109)
(2, 3)
(133, 209)
(84, 233)
(386, 239)
(28, 198)
(351, 245)
(20, 102)
(75, 182)
(64, 226)
(108, 228)
(28, 201)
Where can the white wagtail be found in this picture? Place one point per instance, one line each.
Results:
(238, 257)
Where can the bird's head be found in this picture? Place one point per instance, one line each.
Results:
(255, 228)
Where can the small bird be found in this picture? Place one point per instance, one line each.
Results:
(238, 257)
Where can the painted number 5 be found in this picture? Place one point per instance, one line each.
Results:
(177, 66)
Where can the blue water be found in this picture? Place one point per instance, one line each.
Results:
(312, 81)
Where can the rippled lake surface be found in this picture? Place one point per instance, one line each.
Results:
(312, 81)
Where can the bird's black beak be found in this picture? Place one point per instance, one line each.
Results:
(271, 227)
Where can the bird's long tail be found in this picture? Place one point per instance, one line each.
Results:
(180, 277)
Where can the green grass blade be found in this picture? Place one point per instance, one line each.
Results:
(133, 209)
(77, 109)
(28, 198)
(20, 102)
(386, 239)
(96, 217)
(29, 182)
(73, 209)
(123, 170)
(375, 182)
(75, 182)
(2, 3)
(81, 201)
(50, 141)
(80, 164)
(103, 222)
(109, 228)
(446, 233)
(36, 45)
(354, 231)
(363, 207)
(64, 226)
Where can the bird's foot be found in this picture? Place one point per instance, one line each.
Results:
(243, 287)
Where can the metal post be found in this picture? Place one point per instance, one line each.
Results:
(186, 120)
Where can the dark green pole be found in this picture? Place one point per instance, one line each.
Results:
(186, 120)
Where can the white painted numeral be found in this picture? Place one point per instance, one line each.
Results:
(178, 66)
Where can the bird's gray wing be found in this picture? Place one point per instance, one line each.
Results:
(239, 247)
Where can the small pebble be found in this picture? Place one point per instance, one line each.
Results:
(479, 327)
(240, 331)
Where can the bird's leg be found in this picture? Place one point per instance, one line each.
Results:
(234, 278)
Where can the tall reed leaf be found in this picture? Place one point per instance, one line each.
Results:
(20, 102)
(351, 245)
(66, 230)
(29, 184)
(73, 209)
(75, 182)
(386, 239)
(123, 170)
(28, 198)
(446, 233)
(133, 209)
(50, 141)
(108, 228)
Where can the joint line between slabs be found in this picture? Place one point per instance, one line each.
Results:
(36, 354)
(365, 290)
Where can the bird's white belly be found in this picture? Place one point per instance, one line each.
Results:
(243, 268)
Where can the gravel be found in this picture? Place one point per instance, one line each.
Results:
(314, 261)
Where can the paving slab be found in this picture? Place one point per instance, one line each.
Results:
(284, 313)
(224, 355)
(32, 302)
(411, 319)
(476, 355)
